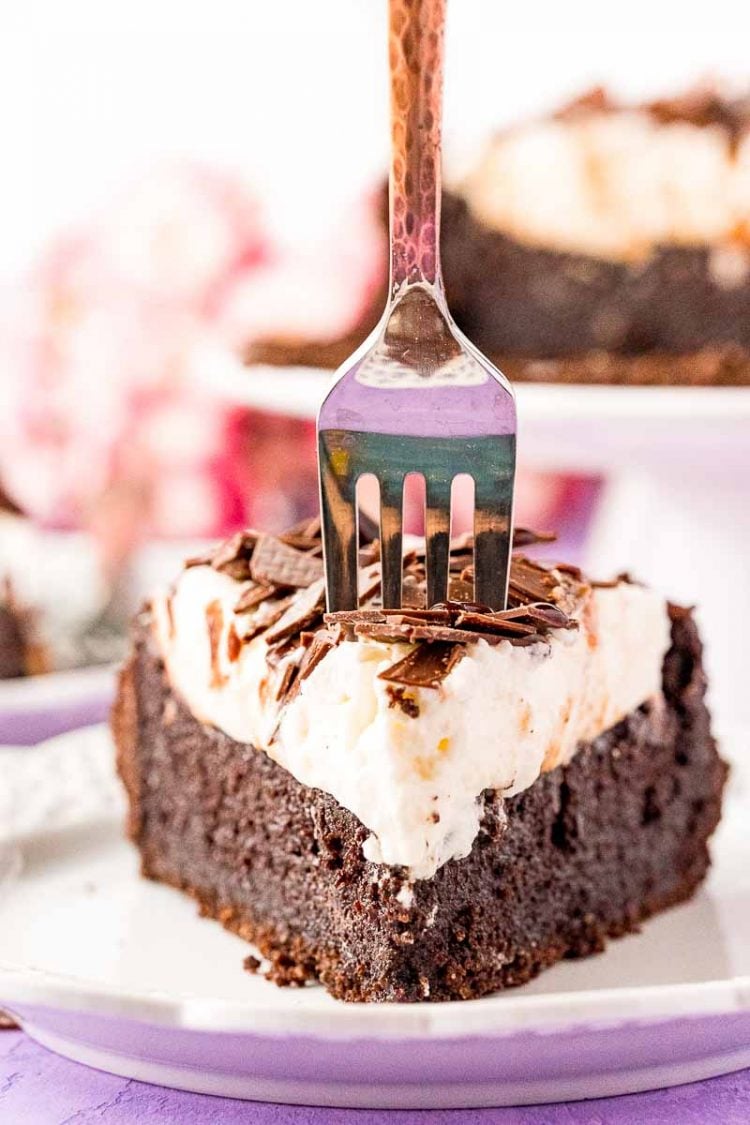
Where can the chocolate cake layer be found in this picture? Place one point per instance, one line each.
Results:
(545, 316)
(586, 853)
(513, 299)
(726, 366)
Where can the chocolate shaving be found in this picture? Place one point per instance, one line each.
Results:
(215, 622)
(287, 679)
(451, 633)
(542, 613)
(275, 564)
(203, 559)
(412, 593)
(369, 554)
(234, 644)
(570, 569)
(427, 666)
(530, 582)
(354, 616)
(233, 557)
(303, 543)
(369, 585)
(391, 633)
(493, 623)
(525, 537)
(306, 529)
(263, 621)
(283, 581)
(463, 607)
(253, 595)
(368, 529)
(415, 616)
(320, 647)
(532, 639)
(387, 633)
(169, 607)
(303, 612)
(460, 590)
(397, 697)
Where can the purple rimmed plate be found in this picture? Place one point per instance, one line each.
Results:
(121, 974)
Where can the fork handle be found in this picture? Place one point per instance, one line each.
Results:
(416, 64)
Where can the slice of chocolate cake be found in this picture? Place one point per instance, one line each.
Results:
(425, 804)
(604, 244)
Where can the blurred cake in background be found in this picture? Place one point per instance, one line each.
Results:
(602, 244)
(21, 650)
(16, 645)
(610, 243)
(110, 448)
(101, 416)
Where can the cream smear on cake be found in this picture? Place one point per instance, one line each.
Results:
(613, 185)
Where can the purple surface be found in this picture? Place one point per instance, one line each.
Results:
(18, 728)
(40, 1088)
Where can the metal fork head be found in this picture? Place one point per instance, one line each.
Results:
(417, 397)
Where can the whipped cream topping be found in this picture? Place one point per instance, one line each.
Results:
(613, 185)
(502, 716)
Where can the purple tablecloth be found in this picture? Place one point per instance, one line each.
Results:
(39, 1088)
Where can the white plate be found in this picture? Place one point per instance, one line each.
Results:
(564, 427)
(36, 707)
(121, 973)
(56, 689)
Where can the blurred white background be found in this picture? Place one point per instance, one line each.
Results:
(293, 93)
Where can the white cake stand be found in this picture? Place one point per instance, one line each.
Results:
(675, 510)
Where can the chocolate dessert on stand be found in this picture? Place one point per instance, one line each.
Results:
(421, 804)
(605, 244)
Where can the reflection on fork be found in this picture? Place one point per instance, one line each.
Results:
(417, 397)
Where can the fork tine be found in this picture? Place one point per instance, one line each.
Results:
(338, 512)
(437, 530)
(391, 538)
(493, 520)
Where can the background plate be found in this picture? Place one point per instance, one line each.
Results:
(121, 973)
(565, 427)
(36, 707)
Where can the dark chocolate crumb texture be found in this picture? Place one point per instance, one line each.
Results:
(397, 890)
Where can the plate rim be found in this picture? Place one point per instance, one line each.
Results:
(276, 1011)
(499, 1015)
(49, 689)
(226, 376)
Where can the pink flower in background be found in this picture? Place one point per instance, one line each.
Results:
(182, 234)
(100, 423)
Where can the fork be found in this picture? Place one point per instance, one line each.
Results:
(417, 396)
